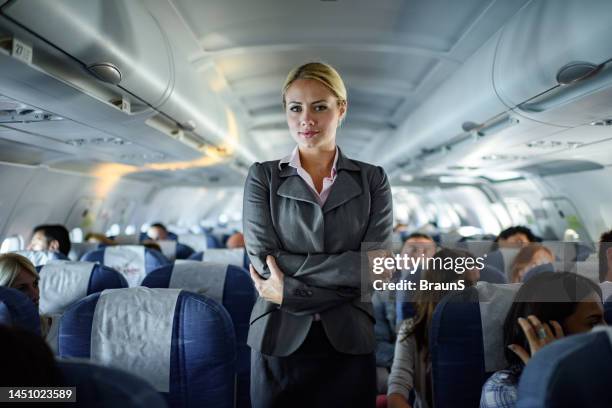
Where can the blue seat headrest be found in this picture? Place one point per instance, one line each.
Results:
(571, 372)
(153, 259)
(16, 309)
(201, 342)
(492, 275)
(537, 270)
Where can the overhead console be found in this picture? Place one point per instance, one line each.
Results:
(547, 70)
(553, 62)
(112, 39)
(118, 53)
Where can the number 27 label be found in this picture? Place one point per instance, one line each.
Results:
(22, 51)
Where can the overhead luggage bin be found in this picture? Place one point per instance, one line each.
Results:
(551, 62)
(471, 109)
(119, 42)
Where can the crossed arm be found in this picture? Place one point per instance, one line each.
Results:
(327, 279)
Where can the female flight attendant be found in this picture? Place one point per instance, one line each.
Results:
(305, 219)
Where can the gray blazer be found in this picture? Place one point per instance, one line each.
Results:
(318, 250)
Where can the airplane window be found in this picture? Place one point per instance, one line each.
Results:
(520, 211)
(570, 235)
(12, 243)
(460, 210)
(130, 230)
(114, 230)
(145, 227)
(76, 235)
(468, 231)
(447, 217)
(196, 229)
(223, 219)
(502, 215)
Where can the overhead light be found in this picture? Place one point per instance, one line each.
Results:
(108, 141)
(76, 142)
(14, 111)
(543, 144)
(490, 127)
(98, 141)
(432, 154)
(552, 144)
(573, 145)
(496, 125)
(468, 231)
(456, 180)
(143, 156)
(472, 132)
(503, 175)
(603, 122)
(184, 133)
(500, 157)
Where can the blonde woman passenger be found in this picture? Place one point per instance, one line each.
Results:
(305, 219)
(17, 272)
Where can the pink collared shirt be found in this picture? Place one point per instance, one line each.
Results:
(294, 161)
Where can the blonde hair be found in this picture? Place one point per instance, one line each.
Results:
(321, 72)
(524, 258)
(11, 266)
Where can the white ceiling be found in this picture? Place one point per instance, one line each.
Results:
(392, 54)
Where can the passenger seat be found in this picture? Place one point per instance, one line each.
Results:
(466, 342)
(132, 261)
(227, 284)
(63, 283)
(181, 343)
(174, 250)
(16, 309)
(575, 371)
(236, 256)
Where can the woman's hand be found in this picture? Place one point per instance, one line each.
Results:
(538, 335)
(270, 289)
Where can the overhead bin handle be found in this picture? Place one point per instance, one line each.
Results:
(599, 78)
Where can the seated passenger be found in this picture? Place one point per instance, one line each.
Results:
(530, 256)
(53, 238)
(416, 245)
(545, 308)
(236, 240)
(419, 244)
(515, 237)
(605, 257)
(17, 272)
(158, 232)
(411, 368)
